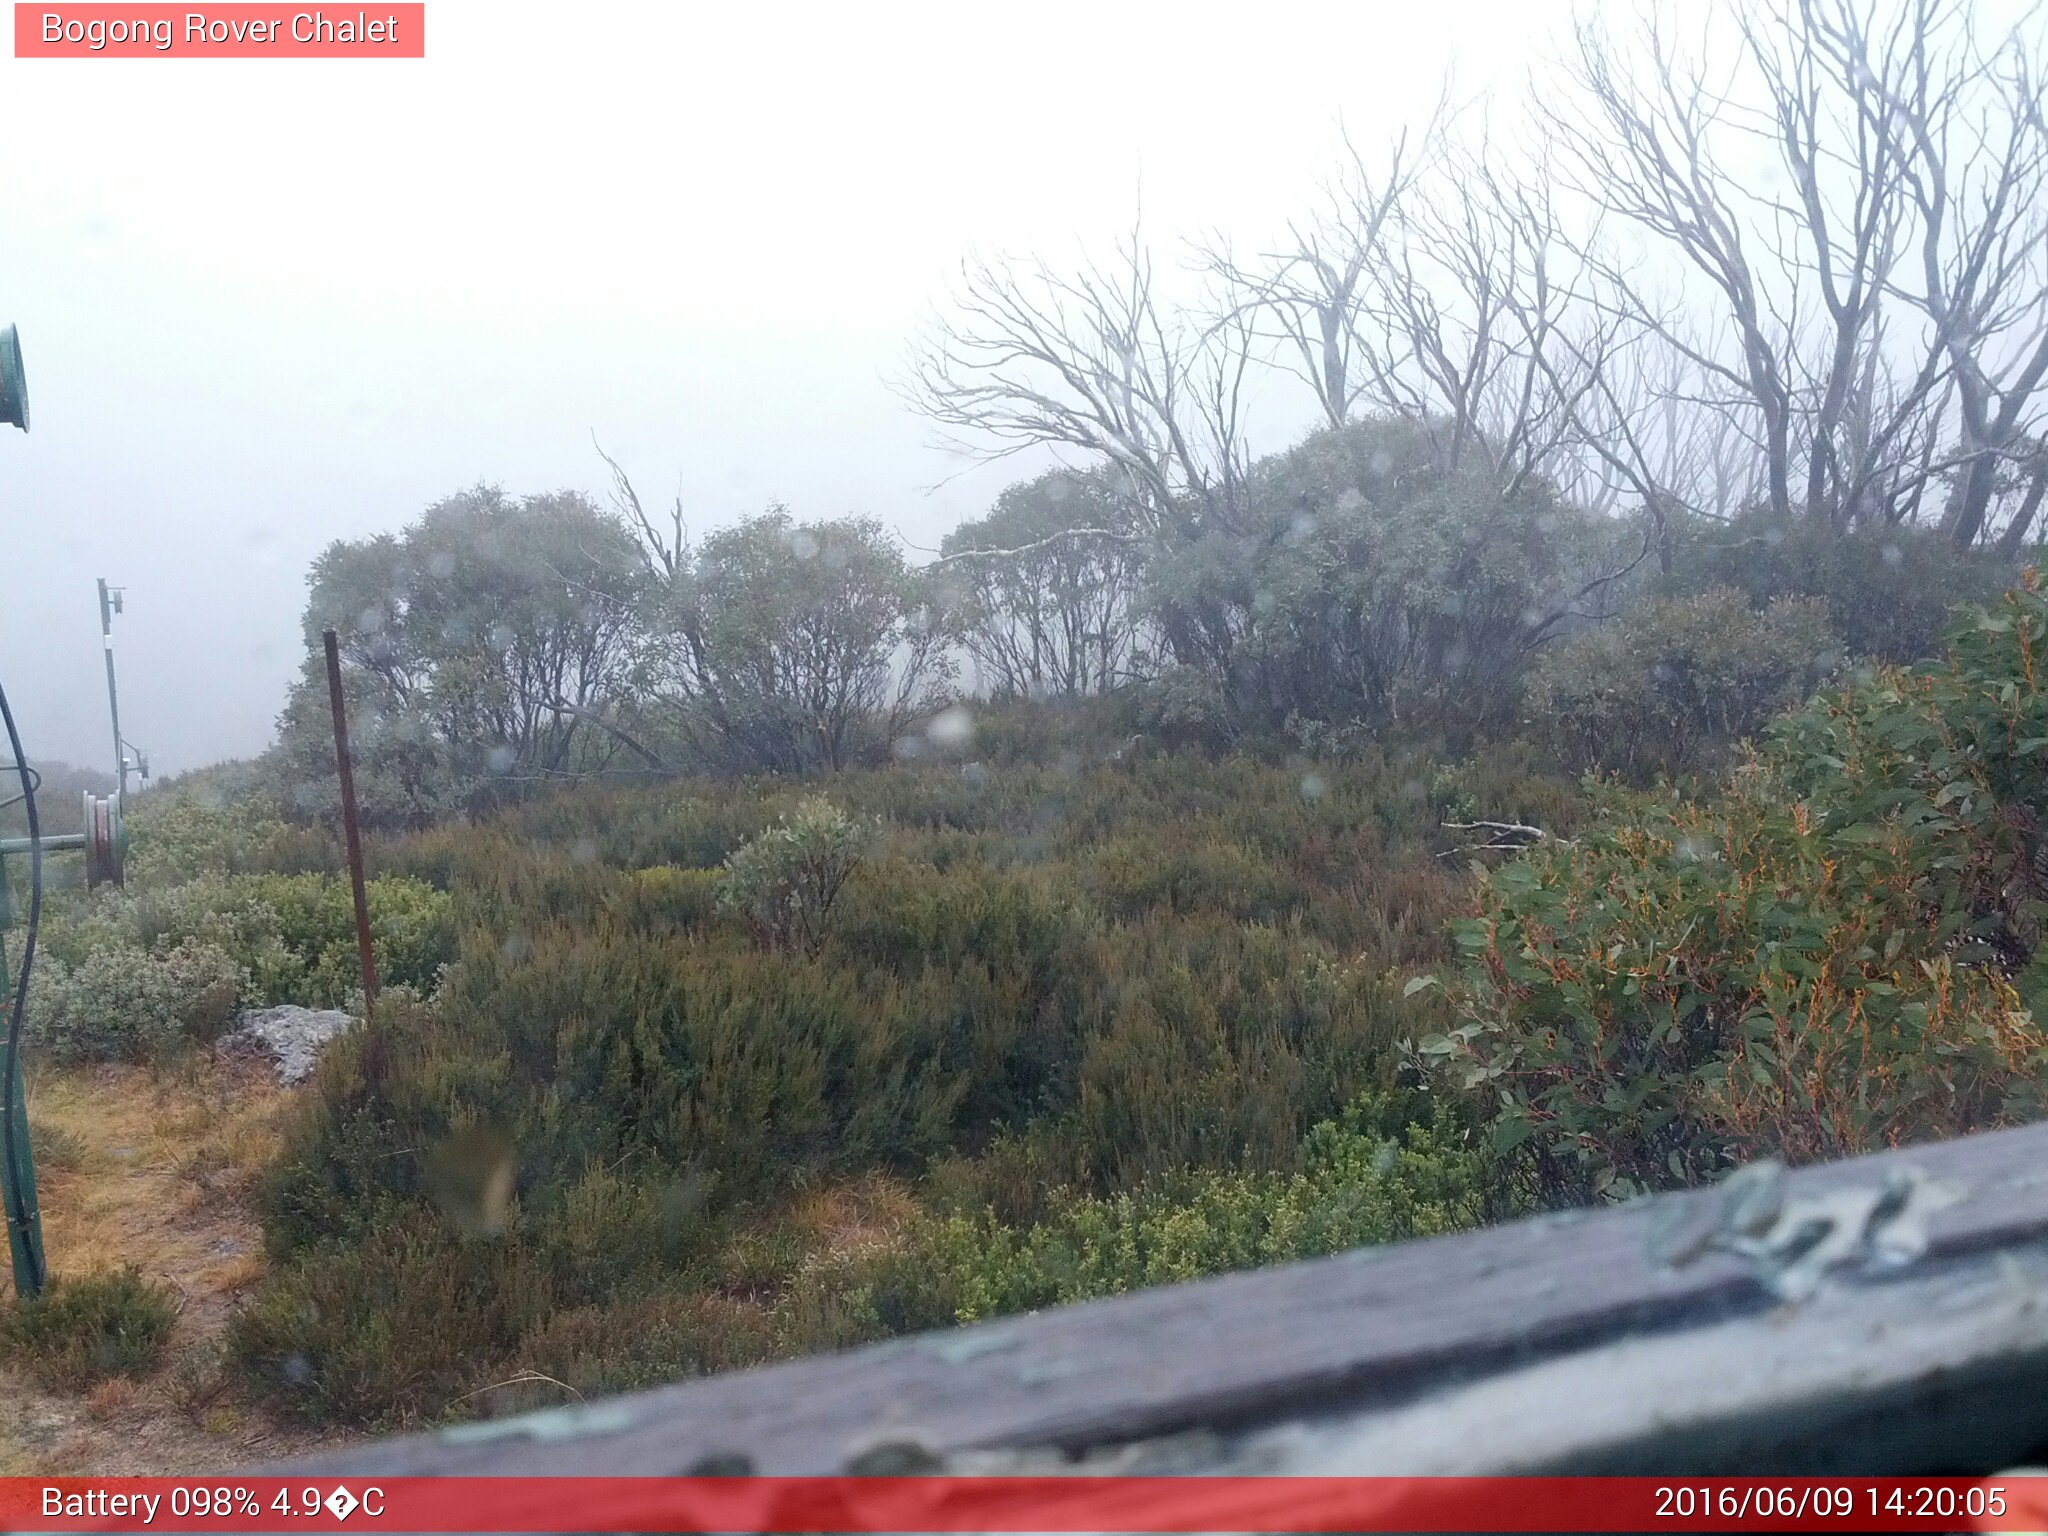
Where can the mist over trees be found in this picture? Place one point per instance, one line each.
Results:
(1785, 260)
(479, 645)
(1045, 593)
(1750, 304)
(789, 646)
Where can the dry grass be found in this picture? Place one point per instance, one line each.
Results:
(843, 1218)
(154, 1169)
(159, 1177)
(112, 1398)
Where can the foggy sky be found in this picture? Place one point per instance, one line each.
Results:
(267, 304)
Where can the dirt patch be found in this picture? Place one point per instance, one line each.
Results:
(153, 1169)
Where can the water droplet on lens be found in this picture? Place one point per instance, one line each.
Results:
(951, 727)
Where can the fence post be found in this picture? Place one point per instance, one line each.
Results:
(348, 821)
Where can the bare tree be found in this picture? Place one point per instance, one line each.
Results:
(2017, 529)
(1637, 140)
(1093, 361)
(1647, 426)
(666, 550)
(1436, 289)
(1785, 259)
(1485, 304)
(1313, 299)
(1794, 166)
(1974, 150)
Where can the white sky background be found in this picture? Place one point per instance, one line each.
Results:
(268, 304)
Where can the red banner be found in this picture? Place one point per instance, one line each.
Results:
(1168, 1504)
(225, 31)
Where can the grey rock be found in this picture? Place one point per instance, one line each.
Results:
(291, 1036)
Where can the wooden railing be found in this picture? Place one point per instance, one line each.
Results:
(1884, 1314)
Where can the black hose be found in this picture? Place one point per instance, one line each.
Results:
(33, 779)
(18, 1211)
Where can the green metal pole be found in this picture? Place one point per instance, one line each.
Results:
(18, 1164)
(24, 1228)
(25, 1220)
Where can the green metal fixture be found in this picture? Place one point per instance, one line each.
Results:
(13, 382)
(18, 1175)
(24, 1217)
(104, 842)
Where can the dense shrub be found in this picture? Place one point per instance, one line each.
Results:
(384, 1097)
(1010, 1002)
(82, 1331)
(667, 1059)
(1836, 955)
(1373, 579)
(295, 935)
(203, 827)
(1051, 732)
(1890, 592)
(1386, 1169)
(971, 984)
(1361, 1182)
(1659, 689)
(124, 1003)
(1217, 1046)
(1200, 868)
(785, 881)
(665, 897)
(645, 1342)
(398, 1323)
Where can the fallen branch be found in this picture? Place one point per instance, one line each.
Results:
(1035, 544)
(592, 717)
(1506, 837)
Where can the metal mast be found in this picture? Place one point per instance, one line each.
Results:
(110, 604)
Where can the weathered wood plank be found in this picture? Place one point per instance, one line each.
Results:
(1362, 1332)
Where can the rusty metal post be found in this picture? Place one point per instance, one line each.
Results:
(348, 820)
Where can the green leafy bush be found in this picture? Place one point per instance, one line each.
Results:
(785, 881)
(123, 1003)
(1371, 578)
(1891, 592)
(1834, 956)
(295, 935)
(1659, 689)
(132, 974)
(200, 828)
(83, 1331)
(1361, 1182)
